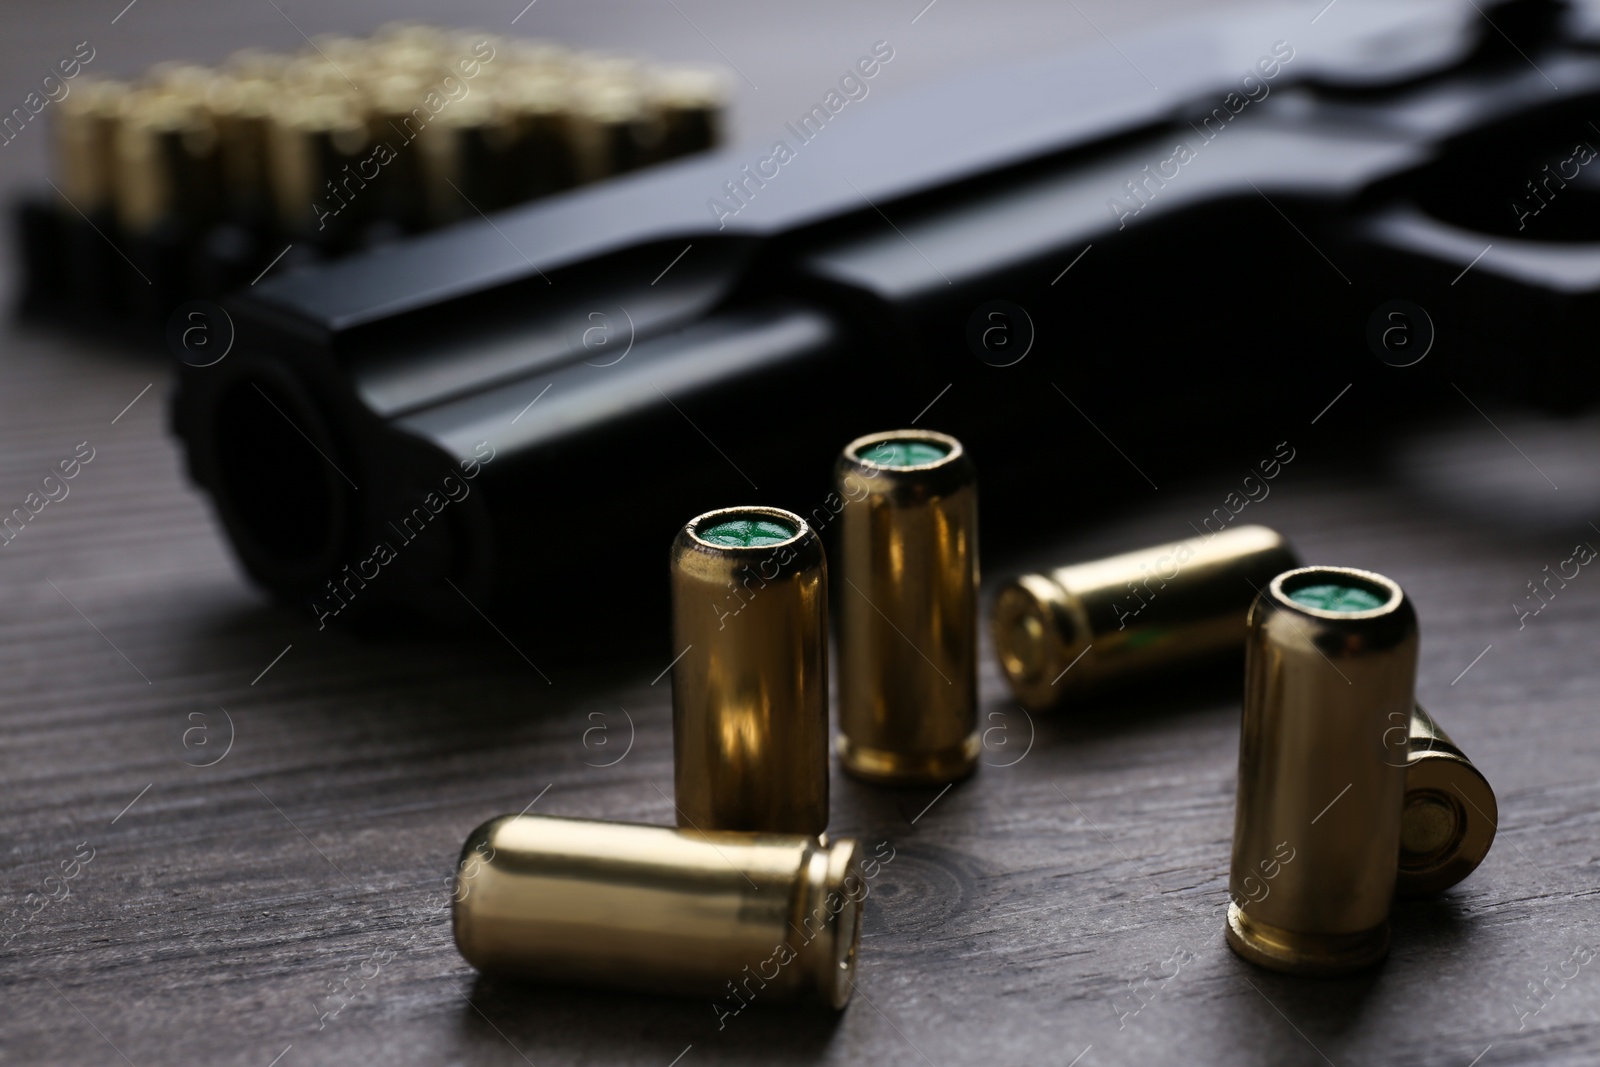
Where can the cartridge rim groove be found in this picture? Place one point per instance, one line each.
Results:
(883, 766)
(1063, 633)
(1444, 776)
(652, 908)
(1294, 952)
(831, 953)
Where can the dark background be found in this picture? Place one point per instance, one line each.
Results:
(222, 906)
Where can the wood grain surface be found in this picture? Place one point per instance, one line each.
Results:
(272, 811)
(224, 903)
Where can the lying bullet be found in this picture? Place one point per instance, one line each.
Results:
(1089, 626)
(1450, 814)
(740, 917)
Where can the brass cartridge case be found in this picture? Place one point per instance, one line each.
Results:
(690, 103)
(1450, 815)
(612, 130)
(462, 157)
(1330, 660)
(750, 685)
(398, 120)
(542, 158)
(753, 916)
(85, 143)
(1089, 626)
(166, 162)
(908, 608)
(241, 107)
(315, 139)
(84, 139)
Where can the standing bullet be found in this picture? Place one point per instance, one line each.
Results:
(1330, 660)
(750, 685)
(908, 608)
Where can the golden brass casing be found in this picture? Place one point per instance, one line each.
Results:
(241, 107)
(1316, 835)
(908, 611)
(758, 916)
(542, 157)
(690, 104)
(85, 145)
(611, 129)
(461, 160)
(165, 158)
(314, 141)
(750, 686)
(1088, 626)
(1450, 814)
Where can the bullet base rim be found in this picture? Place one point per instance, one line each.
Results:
(1292, 952)
(1450, 777)
(1036, 596)
(885, 767)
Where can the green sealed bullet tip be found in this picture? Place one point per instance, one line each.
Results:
(903, 453)
(1337, 598)
(747, 533)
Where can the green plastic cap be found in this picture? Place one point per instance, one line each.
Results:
(1337, 598)
(747, 533)
(903, 453)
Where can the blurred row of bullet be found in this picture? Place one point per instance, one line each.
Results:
(348, 143)
(271, 135)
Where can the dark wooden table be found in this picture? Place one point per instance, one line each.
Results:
(270, 813)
